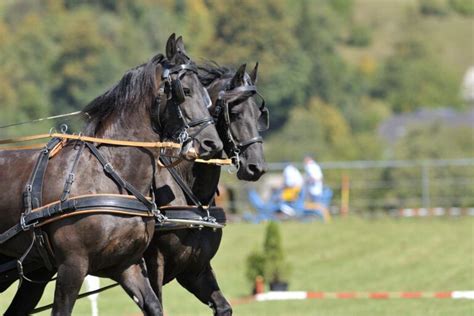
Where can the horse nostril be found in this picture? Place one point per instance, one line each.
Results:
(211, 145)
(255, 168)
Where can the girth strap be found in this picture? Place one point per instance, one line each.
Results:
(193, 213)
(96, 202)
(186, 216)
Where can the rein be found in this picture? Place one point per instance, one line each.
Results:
(83, 138)
(44, 119)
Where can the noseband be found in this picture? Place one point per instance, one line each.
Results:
(227, 96)
(176, 94)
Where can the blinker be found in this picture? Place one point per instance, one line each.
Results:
(263, 120)
(178, 91)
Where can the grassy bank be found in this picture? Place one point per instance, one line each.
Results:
(351, 254)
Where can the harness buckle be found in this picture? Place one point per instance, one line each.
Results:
(183, 136)
(27, 201)
(160, 218)
(24, 225)
(235, 162)
(209, 219)
(108, 167)
(70, 178)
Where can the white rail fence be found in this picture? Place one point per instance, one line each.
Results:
(384, 185)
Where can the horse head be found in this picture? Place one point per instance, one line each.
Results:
(190, 99)
(163, 96)
(239, 117)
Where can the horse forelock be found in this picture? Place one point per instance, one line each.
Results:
(211, 71)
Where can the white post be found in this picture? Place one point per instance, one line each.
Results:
(93, 283)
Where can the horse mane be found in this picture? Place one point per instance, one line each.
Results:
(211, 71)
(136, 88)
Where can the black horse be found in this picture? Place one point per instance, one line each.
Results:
(162, 99)
(185, 254)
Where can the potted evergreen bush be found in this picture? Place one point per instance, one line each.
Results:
(276, 268)
(269, 263)
(255, 268)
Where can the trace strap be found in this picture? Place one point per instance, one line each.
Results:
(187, 190)
(120, 181)
(30, 219)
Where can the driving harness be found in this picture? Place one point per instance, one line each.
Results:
(36, 215)
(198, 215)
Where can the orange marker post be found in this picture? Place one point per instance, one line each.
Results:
(345, 188)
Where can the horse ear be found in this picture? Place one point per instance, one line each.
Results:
(238, 79)
(180, 44)
(171, 46)
(253, 74)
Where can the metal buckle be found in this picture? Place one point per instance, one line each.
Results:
(209, 219)
(183, 136)
(234, 168)
(24, 225)
(160, 218)
(70, 179)
(108, 167)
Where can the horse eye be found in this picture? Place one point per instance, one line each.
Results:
(187, 92)
(235, 114)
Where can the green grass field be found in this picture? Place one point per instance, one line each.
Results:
(351, 254)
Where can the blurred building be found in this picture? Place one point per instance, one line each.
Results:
(397, 126)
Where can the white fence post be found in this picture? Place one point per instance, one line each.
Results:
(93, 283)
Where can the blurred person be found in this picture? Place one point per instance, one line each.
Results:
(292, 183)
(313, 178)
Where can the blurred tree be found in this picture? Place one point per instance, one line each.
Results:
(76, 64)
(318, 128)
(464, 7)
(412, 78)
(25, 57)
(264, 32)
(343, 7)
(198, 27)
(433, 7)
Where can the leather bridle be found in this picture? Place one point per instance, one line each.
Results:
(172, 88)
(235, 96)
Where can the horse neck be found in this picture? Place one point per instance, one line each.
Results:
(127, 125)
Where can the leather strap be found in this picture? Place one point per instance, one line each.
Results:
(187, 216)
(32, 196)
(195, 213)
(125, 204)
(120, 181)
(183, 185)
(256, 139)
(71, 177)
(93, 140)
(37, 183)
